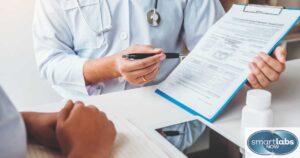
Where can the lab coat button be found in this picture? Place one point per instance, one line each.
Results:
(123, 36)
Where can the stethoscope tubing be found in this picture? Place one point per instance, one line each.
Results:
(109, 27)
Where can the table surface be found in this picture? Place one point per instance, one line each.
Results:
(148, 109)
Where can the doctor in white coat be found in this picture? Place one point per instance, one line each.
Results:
(79, 43)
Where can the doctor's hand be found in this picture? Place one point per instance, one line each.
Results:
(140, 71)
(84, 131)
(266, 69)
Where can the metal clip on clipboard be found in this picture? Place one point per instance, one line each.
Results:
(263, 9)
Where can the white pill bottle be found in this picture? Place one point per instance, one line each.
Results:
(257, 112)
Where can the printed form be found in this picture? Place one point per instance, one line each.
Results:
(217, 67)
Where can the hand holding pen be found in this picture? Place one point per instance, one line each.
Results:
(141, 71)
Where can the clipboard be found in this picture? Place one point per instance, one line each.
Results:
(255, 9)
(263, 9)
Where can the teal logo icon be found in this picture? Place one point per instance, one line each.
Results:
(277, 142)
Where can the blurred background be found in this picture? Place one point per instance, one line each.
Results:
(18, 72)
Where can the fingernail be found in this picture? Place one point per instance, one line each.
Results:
(282, 57)
(163, 57)
(79, 102)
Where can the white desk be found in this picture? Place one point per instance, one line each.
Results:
(144, 107)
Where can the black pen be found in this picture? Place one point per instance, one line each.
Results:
(136, 56)
(172, 133)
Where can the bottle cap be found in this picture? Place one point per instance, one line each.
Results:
(258, 99)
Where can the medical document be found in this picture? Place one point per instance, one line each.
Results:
(217, 68)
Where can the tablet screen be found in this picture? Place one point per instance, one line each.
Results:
(183, 135)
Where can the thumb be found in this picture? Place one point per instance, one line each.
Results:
(64, 113)
(280, 54)
(146, 49)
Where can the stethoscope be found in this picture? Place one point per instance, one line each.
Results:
(153, 17)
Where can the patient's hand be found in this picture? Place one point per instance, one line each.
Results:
(41, 128)
(84, 131)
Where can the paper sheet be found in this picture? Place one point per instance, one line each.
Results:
(218, 66)
(131, 142)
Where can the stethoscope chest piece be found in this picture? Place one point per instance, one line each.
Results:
(153, 17)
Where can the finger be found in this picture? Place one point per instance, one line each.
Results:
(78, 109)
(271, 74)
(148, 46)
(280, 54)
(253, 81)
(141, 80)
(143, 49)
(143, 72)
(148, 77)
(262, 79)
(65, 112)
(78, 103)
(111, 123)
(130, 66)
(94, 108)
(275, 64)
(103, 115)
(151, 76)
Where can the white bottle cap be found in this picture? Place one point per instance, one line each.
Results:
(258, 99)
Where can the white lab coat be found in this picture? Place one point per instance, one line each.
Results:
(12, 130)
(63, 41)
